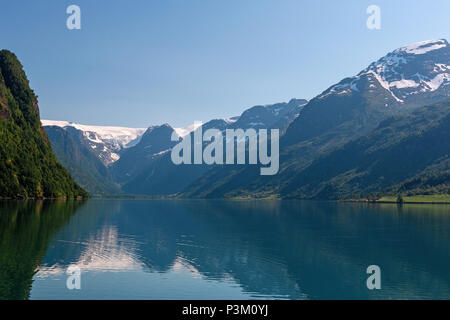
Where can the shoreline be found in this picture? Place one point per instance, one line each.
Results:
(42, 198)
(395, 202)
(365, 201)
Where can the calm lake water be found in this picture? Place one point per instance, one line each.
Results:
(151, 249)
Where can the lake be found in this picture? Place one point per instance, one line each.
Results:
(199, 249)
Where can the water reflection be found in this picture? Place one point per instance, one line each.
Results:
(231, 249)
(25, 231)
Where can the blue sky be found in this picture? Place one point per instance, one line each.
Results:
(144, 62)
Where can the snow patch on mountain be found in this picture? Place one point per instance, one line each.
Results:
(424, 46)
(417, 66)
(123, 137)
(385, 84)
(107, 142)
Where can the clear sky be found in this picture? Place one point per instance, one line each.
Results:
(144, 62)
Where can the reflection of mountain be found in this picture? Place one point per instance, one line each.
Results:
(101, 251)
(277, 249)
(25, 232)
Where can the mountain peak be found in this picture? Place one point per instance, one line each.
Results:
(407, 74)
(158, 129)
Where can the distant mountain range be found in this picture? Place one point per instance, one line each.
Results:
(136, 160)
(352, 138)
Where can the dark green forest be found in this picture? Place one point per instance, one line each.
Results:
(28, 167)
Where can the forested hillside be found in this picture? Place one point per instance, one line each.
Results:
(28, 167)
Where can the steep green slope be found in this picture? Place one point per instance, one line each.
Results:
(28, 167)
(84, 166)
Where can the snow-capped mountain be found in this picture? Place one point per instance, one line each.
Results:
(404, 80)
(414, 72)
(148, 169)
(109, 143)
(106, 142)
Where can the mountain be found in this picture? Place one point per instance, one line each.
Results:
(415, 73)
(148, 168)
(138, 161)
(154, 143)
(90, 153)
(157, 175)
(28, 167)
(406, 78)
(275, 116)
(404, 153)
(74, 151)
(398, 83)
(106, 142)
